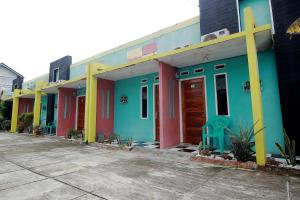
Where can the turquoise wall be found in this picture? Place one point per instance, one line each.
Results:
(43, 111)
(43, 115)
(55, 109)
(240, 101)
(127, 120)
(261, 11)
(77, 71)
(81, 92)
(128, 123)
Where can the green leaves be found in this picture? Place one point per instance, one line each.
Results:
(243, 142)
(290, 149)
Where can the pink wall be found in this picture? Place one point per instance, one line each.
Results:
(169, 120)
(65, 123)
(105, 124)
(23, 103)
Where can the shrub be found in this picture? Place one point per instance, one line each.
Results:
(28, 120)
(6, 125)
(20, 127)
(129, 142)
(5, 109)
(243, 142)
(119, 140)
(111, 138)
(21, 117)
(1, 121)
(100, 137)
(38, 130)
(73, 133)
(290, 148)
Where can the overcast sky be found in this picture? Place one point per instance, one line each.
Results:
(34, 33)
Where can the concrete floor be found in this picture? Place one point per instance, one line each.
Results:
(49, 168)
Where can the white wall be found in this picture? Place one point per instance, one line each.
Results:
(6, 80)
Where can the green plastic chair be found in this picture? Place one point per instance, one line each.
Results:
(49, 128)
(215, 128)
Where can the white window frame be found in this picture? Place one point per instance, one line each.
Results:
(215, 67)
(182, 73)
(56, 75)
(200, 68)
(227, 89)
(141, 101)
(154, 110)
(271, 15)
(238, 13)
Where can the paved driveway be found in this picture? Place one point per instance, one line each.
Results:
(49, 168)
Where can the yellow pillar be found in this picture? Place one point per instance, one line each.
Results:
(15, 111)
(91, 104)
(87, 107)
(256, 97)
(37, 104)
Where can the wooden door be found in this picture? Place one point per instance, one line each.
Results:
(156, 91)
(193, 109)
(80, 113)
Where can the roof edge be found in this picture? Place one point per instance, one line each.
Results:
(10, 69)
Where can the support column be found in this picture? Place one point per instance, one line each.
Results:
(91, 104)
(105, 110)
(37, 103)
(168, 106)
(256, 97)
(15, 110)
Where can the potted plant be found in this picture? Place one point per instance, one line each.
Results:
(243, 142)
(38, 130)
(20, 127)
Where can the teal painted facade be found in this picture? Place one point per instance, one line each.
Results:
(239, 100)
(43, 111)
(128, 122)
(261, 11)
(127, 117)
(81, 92)
(55, 109)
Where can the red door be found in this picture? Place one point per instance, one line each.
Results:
(80, 113)
(193, 110)
(156, 91)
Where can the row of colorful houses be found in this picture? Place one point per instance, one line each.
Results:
(165, 86)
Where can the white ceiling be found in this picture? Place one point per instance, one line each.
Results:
(219, 51)
(131, 71)
(75, 85)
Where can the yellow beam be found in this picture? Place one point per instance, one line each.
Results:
(185, 49)
(15, 111)
(256, 97)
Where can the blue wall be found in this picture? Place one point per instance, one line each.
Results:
(127, 117)
(261, 11)
(240, 101)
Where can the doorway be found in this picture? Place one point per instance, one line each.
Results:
(80, 112)
(193, 109)
(156, 112)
